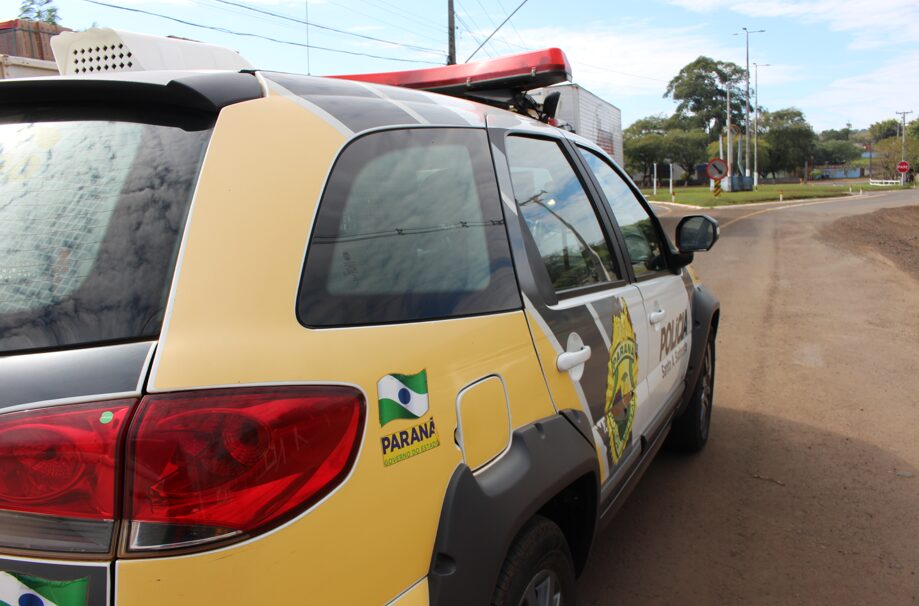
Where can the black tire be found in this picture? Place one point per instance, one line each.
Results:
(538, 570)
(690, 430)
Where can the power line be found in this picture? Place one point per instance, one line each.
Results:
(469, 31)
(506, 19)
(326, 27)
(389, 23)
(513, 27)
(250, 35)
(493, 24)
(390, 7)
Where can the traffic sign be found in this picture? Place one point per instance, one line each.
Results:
(716, 169)
(903, 167)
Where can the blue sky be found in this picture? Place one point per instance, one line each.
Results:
(838, 61)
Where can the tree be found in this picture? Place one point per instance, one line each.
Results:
(888, 153)
(39, 10)
(686, 148)
(790, 141)
(642, 151)
(700, 90)
(836, 152)
(884, 129)
(645, 126)
(842, 134)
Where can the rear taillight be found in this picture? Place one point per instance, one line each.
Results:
(59, 471)
(211, 465)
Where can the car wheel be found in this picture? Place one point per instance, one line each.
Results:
(538, 570)
(690, 431)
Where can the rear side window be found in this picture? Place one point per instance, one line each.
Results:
(91, 215)
(409, 228)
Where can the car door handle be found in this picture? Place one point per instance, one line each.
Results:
(655, 317)
(571, 359)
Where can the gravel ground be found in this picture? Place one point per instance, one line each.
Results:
(892, 233)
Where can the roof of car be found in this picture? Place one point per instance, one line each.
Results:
(359, 106)
(352, 106)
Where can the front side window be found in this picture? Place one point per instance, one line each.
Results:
(559, 215)
(409, 228)
(641, 238)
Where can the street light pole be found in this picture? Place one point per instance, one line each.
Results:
(730, 182)
(747, 115)
(756, 67)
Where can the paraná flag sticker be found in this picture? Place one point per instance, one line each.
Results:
(403, 396)
(24, 590)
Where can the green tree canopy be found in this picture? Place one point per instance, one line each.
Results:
(836, 152)
(888, 153)
(841, 134)
(790, 141)
(884, 129)
(686, 148)
(700, 92)
(39, 10)
(642, 151)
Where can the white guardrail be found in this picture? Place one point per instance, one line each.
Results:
(883, 182)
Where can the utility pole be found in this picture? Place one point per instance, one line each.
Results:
(756, 67)
(747, 115)
(451, 35)
(903, 144)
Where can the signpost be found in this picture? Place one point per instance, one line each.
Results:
(903, 168)
(716, 169)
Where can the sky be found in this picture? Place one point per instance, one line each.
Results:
(839, 61)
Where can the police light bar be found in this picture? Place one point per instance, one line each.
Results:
(524, 71)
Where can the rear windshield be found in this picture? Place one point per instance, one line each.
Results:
(91, 215)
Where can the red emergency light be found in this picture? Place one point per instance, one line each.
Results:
(521, 72)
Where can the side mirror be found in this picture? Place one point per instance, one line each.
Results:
(696, 233)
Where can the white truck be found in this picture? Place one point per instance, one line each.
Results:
(586, 114)
(25, 67)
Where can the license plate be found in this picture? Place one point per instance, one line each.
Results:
(45, 583)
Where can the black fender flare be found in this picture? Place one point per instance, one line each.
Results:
(483, 512)
(704, 308)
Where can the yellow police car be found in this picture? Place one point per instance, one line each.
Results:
(277, 339)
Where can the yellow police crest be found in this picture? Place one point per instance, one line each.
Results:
(621, 398)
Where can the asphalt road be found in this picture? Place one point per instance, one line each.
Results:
(808, 491)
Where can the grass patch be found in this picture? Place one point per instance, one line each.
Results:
(701, 196)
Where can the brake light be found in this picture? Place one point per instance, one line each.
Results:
(59, 476)
(211, 465)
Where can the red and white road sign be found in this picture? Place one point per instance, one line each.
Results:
(716, 169)
(903, 167)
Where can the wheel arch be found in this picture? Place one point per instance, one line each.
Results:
(549, 470)
(706, 313)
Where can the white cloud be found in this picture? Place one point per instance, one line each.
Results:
(879, 23)
(866, 98)
(625, 60)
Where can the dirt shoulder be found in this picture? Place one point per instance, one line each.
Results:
(892, 233)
